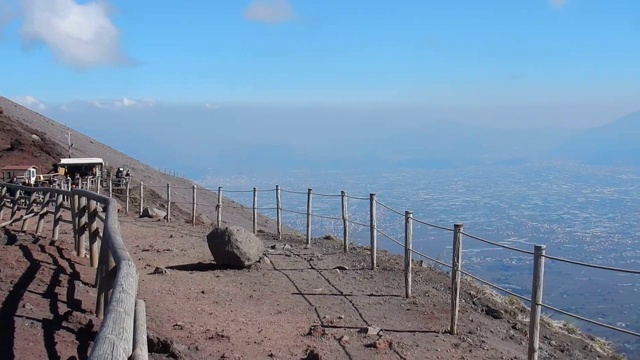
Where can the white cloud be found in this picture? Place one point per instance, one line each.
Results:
(79, 35)
(7, 13)
(269, 11)
(211, 106)
(558, 3)
(30, 102)
(125, 102)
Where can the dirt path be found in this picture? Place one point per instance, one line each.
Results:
(47, 300)
(297, 303)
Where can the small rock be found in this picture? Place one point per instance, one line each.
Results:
(341, 267)
(381, 344)
(27, 306)
(494, 313)
(340, 317)
(286, 247)
(265, 260)
(312, 354)
(370, 330)
(160, 270)
(344, 340)
(178, 326)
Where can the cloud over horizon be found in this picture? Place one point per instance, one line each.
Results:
(269, 11)
(79, 35)
(30, 102)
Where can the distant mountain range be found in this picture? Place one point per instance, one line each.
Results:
(616, 143)
(233, 140)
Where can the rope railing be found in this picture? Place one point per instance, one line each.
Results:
(497, 244)
(591, 321)
(594, 266)
(455, 266)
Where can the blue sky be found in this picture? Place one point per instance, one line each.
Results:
(577, 55)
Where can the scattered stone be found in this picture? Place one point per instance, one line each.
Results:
(153, 213)
(27, 306)
(235, 247)
(35, 137)
(383, 343)
(312, 354)
(265, 260)
(370, 330)
(158, 345)
(340, 317)
(341, 267)
(178, 326)
(274, 247)
(494, 313)
(202, 219)
(316, 331)
(160, 270)
(330, 237)
(344, 339)
(286, 247)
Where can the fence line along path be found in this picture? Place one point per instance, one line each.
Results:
(93, 218)
(538, 253)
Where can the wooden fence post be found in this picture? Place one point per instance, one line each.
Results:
(82, 227)
(536, 301)
(44, 209)
(456, 264)
(99, 185)
(408, 240)
(101, 278)
(309, 199)
(14, 204)
(278, 212)
(140, 346)
(110, 188)
(255, 210)
(74, 220)
(93, 233)
(373, 230)
(345, 221)
(126, 210)
(30, 209)
(194, 205)
(141, 198)
(168, 202)
(57, 216)
(3, 191)
(219, 207)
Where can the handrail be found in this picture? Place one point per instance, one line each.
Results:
(116, 292)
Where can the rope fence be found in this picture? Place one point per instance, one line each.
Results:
(310, 213)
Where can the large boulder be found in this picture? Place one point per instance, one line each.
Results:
(234, 247)
(153, 213)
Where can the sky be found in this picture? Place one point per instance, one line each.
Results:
(503, 62)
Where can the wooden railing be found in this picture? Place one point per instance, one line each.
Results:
(122, 333)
